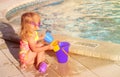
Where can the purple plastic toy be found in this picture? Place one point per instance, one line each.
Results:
(42, 67)
(62, 54)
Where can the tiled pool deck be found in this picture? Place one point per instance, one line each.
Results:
(77, 66)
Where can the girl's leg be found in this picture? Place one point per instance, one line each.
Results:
(40, 58)
(30, 58)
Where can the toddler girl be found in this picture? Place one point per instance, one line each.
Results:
(32, 47)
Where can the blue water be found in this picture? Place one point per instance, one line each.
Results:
(90, 19)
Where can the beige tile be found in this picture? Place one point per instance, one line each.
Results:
(111, 70)
(52, 73)
(32, 72)
(70, 69)
(3, 60)
(1, 40)
(9, 55)
(19, 75)
(9, 70)
(91, 61)
(3, 46)
(100, 67)
(10, 50)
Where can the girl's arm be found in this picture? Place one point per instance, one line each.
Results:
(36, 47)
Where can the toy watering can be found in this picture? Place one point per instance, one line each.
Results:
(49, 38)
(61, 48)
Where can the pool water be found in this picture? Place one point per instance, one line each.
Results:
(90, 19)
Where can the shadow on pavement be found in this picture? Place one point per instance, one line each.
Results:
(11, 38)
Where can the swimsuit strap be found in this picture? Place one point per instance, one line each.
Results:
(36, 36)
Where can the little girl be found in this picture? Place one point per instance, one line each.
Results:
(32, 51)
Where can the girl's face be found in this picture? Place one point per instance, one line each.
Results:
(36, 23)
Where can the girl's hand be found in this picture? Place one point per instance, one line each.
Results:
(23, 66)
(41, 43)
(50, 47)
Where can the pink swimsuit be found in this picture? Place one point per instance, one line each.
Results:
(24, 46)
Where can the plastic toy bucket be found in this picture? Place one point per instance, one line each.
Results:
(42, 67)
(62, 54)
(48, 37)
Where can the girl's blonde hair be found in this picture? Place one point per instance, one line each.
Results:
(26, 20)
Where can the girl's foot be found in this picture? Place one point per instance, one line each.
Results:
(23, 66)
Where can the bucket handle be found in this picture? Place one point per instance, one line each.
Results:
(64, 51)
